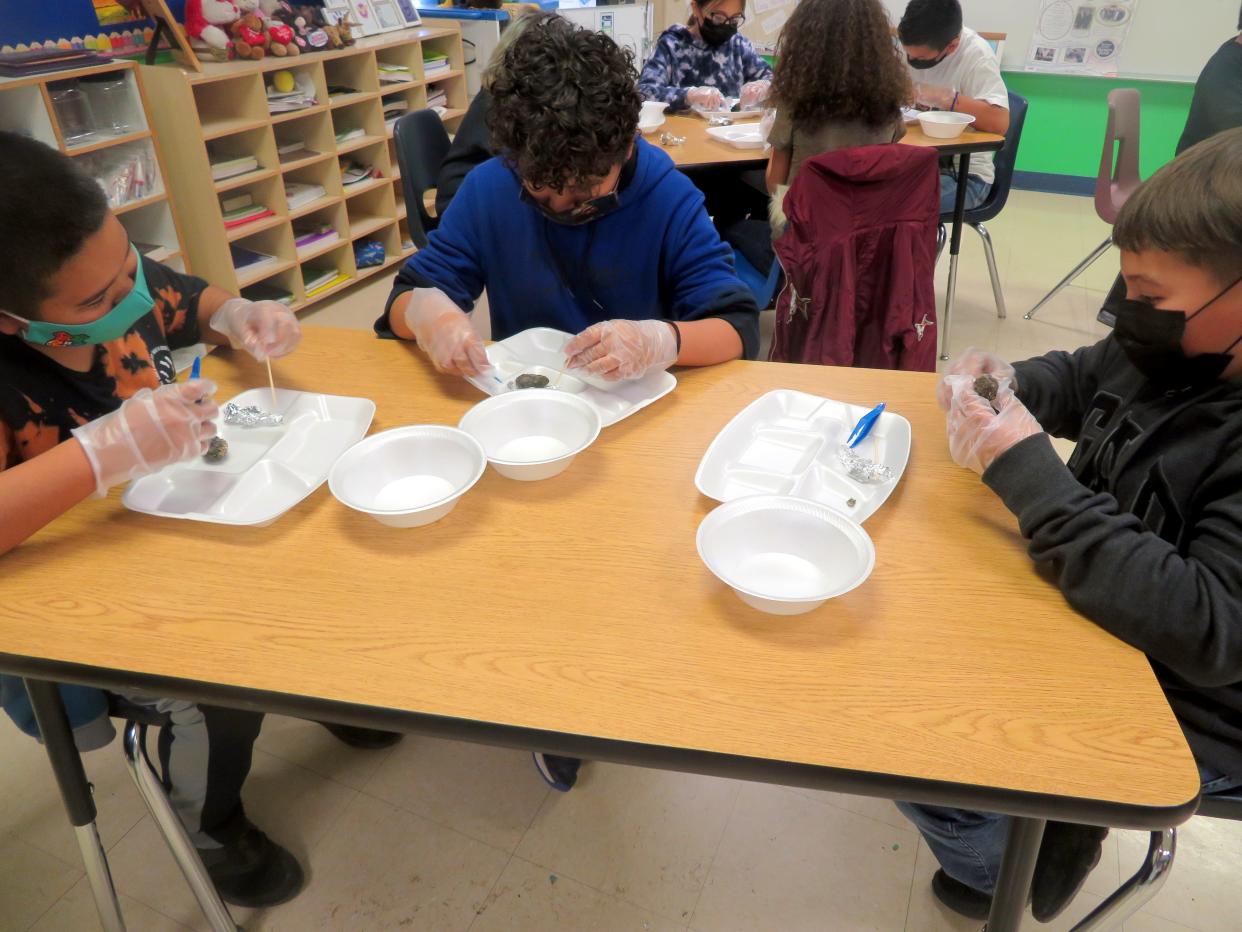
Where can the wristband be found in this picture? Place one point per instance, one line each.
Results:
(676, 334)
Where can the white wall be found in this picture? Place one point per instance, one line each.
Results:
(1168, 38)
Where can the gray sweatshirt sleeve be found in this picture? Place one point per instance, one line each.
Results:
(1183, 611)
(1057, 388)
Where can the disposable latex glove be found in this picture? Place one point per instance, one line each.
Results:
(623, 349)
(974, 362)
(262, 328)
(933, 96)
(753, 94)
(445, 334)
(709, 98)
(978, 434)
(149, 431)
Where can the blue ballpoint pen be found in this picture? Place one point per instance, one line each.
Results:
(864, 425)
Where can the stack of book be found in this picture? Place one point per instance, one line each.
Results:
(394, 74)
(346, 135)
(247, 260)
(314, 235)
(298, 193)
(299, 98)
(294, 152)
(434, 63)
(437, 98)
(354, 172)
(394, 109)
(317, 281)
(241, 209)
(226, 167)
(42, 61)
(266, 291)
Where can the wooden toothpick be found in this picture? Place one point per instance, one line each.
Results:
(271, 383)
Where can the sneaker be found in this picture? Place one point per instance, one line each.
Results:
(369, 739)
(964, 900)
(253, 871)
(1067, 855)
(560, 773)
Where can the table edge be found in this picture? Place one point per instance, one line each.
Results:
(686, 760)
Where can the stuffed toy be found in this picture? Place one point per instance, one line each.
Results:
(249, 38)
(280, 35)
(208, 22)
(284, 13)
(341, 33)
(316, 38)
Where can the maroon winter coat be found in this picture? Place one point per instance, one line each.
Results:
(859, 253)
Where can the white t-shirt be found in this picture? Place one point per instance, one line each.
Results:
(973, 70)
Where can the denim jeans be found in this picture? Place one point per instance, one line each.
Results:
(969, 845)
(976, 191)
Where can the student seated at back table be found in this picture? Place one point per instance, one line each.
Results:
(88, 401)
(578, 225)
(839, 83)
(955, 69)
(1142, 529)
(1217, 103)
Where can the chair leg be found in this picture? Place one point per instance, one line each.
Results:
(990, 254)
(950, 294)
(1077, 270)
(1135, 893)
(175, 836)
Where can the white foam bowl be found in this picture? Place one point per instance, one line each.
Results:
(943, 124)
(408, 476)
(646, 127)
(532, 433)
(784, 555)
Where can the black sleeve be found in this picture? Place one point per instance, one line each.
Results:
(471, 146)
(739, 309)
(1181, 609)
(1057, 387)
(176, 302)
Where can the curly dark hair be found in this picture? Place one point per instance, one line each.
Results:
(837, 61)
(565, 104)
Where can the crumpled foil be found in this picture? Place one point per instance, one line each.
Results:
(668, 139)
(250, 416)
(862, 469)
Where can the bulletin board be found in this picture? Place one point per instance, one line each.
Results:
(1166, 41)
(60, 22)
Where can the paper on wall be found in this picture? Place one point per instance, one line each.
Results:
(772, 24)
(1080, 36)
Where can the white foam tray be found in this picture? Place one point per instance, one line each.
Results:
(268, 469)
(739, 137)
(786, 442)
(541, 350)
(728, 112)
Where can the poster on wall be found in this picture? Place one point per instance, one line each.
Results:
(1080, 36)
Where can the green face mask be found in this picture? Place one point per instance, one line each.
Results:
(112, 326)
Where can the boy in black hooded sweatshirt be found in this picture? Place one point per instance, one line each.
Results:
(1142, 529)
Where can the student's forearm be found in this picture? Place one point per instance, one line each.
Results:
(35, 493)
(708, 342)
(989, 118)
(208, 303)
(777, 172)
(422, 305)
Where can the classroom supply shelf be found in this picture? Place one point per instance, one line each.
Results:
(99, 116)
(226, 145)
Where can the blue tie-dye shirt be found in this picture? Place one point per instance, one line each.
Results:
(682, 61)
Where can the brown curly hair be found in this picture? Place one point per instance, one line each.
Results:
(837, 61)
(565, 104)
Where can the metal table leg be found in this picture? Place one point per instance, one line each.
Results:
(66, 763)
(1017, 869)
(955, 246)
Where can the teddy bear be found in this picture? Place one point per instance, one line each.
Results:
(249, 38)
(207, 21)
(281, 39)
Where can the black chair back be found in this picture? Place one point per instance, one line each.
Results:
(422, 144)
(1005, 160)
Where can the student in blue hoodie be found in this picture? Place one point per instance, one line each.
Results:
(578, 225)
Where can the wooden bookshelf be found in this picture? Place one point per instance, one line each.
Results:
(26, 106)
(222, 112)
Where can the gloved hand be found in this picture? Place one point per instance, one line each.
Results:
(974, 362)
(262, 328)
(623, 349)
(933, 96)
(149, 431)
(446, 335)
(709, 98)
(978, 434)
(766, 122)
(753, 94)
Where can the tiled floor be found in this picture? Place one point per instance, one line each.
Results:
(439, 836)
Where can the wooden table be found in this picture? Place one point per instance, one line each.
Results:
(574, 616)
(701, 150)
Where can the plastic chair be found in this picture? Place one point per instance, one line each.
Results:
(992, 205)
(422, 144)
(764, 289)
(1116, 181)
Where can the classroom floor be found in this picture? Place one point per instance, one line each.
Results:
(440, 836)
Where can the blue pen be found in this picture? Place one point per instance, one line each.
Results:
(864, 425)
(197, 367)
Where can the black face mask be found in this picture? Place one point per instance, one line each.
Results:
(922, 64)
(715, 34)
(586, 212)
(1152, 341)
